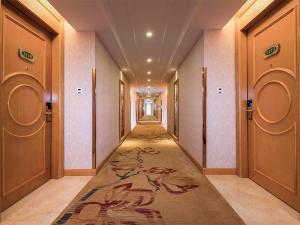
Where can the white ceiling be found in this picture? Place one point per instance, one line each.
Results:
(122, 24)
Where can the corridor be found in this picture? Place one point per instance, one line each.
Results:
(149, 112)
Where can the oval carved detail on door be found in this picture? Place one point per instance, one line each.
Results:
(22, 111)
(278, 108)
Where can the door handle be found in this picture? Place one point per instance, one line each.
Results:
(249, 109)
(48, 112)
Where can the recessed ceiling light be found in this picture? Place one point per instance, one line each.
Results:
(149, 34)
(149, 80)
(148, 86)
(149, 72)
(149, 60)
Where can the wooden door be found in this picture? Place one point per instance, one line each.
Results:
(25, 89)
(273, 83)
(122, 109)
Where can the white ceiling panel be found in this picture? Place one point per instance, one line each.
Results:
(122, 24)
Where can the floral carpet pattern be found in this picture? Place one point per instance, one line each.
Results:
(148, 181)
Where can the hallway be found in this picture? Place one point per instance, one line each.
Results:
(149, 180)
(145, 112)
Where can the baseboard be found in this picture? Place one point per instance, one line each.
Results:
(219, 171)
(197, 164)
(174, 138)
(79, 172)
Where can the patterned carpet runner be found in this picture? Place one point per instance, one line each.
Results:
(149, 181)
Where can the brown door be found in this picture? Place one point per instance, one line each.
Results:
(273, 83)
(25, 89)
(122, 109)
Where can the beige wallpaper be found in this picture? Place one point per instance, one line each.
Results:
(219, 49)
(107, 103)
(84, 51)
(79, 61)
(190, 104)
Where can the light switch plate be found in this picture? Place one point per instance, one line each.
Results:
(79, 91)
(220, 90)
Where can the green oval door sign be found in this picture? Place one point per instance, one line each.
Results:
(271, 51)
(26, 55)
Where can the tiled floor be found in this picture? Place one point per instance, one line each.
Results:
(43, 205)
(250, 201)
(254, 205)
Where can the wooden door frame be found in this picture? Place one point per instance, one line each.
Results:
(43, 13)
(136, 111)
(121, 83)
(161, 110)
(204, 104)
(247, 16)
(176, 82)
(94, 118)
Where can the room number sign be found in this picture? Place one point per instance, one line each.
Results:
(271, 51)
(26, 55)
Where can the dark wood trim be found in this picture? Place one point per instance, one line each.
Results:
(94, 118)
(204, 90)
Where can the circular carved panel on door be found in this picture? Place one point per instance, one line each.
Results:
(25, 105)
(273, 102)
